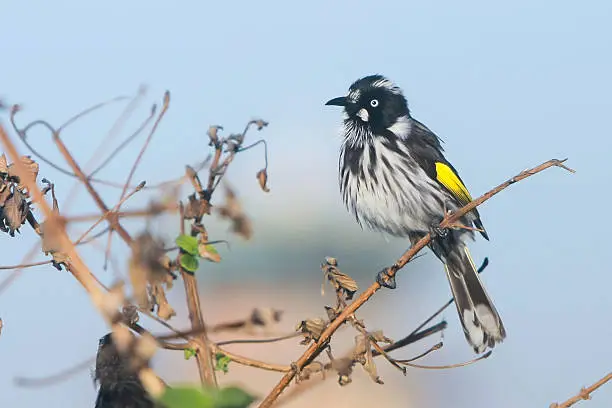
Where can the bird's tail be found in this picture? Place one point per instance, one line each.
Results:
(481, 323)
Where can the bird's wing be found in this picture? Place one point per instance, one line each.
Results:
(428, 153)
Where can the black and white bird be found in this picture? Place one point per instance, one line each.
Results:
(120, 386)
(394, 178)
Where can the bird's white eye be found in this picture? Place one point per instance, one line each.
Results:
(374, 103)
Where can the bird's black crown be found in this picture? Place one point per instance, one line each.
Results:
(373, 101)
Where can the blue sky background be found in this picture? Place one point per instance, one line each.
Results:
(507, 86)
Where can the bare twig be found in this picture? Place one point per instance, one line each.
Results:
(250, 362)
(164, 109)
(123, 144)
(54, 378)
(204, 355)
(257, 341)
(108, 213)
(74, 263)
(23, 266)
(316, 347)
(154, 209)
(584, 394)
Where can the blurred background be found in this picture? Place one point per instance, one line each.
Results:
(507, 86)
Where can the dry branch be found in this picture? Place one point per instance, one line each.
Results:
(584, 394)
(73, 262)
(316, 347)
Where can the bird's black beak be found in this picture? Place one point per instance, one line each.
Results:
(341, 101)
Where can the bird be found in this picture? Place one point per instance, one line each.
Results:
(395, 179)
(120, 386)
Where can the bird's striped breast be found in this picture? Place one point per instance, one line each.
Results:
(387, 190)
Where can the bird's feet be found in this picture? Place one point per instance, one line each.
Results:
(437, 232)
(385, 280)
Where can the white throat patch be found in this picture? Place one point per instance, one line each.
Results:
(363, 114)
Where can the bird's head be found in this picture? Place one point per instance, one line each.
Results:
(376, 104)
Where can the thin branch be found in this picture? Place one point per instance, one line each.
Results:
(257, 341)
(90, 110)
(115, 225)
(25, 260)
(250, 362)
(316, 347)
(25, 265)
(164, 109)
(54, 378)
(152, 210)
(204, 356)
(74, 263)
(94, 236)
(584, 394)
(23, 132)
(123, 144)
(417, 335)
(413, 338)
(444, 367)
(109, 213)
(23, 137)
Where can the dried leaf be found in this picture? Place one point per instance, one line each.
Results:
(145, 266)
(3, 164)
(265, 316)
(196, 208)
(233, 210)
(310, 369)
(213, 134)
(234, 141)
(379, 337)
(363, 355)
(312, 329)
(260, 123)
(332, 312)
(262, 177)
(31, 170)
(209, 252)
(340, 281)
(51, 239)
(130, 314)
(344, 367)
(331, 261)
(15, 211)
(5, 193)
(138, 279)
(158, 296)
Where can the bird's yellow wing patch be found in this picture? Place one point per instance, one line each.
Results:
(447, 177)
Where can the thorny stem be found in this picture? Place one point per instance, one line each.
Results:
(316, 347)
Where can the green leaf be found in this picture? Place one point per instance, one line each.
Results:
(187, 243)
(187, 397)
(222, 362)
(189, 262)
(189, 352)
(233, 397)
